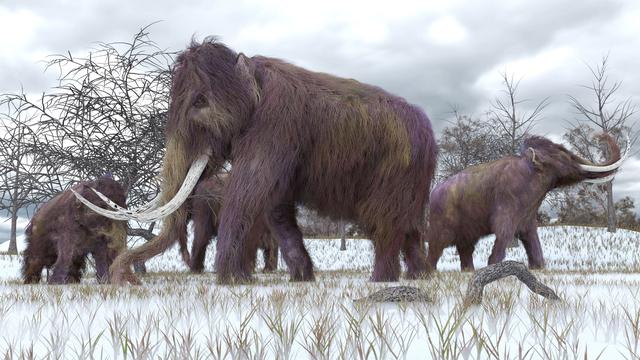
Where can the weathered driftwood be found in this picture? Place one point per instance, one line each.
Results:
(479, 280)
(498, 271)
(398, 294)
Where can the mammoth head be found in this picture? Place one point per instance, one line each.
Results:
(566, 168)
(214, 93)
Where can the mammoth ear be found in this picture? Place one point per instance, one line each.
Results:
(246, 70)
(530, 154)
(244, 65)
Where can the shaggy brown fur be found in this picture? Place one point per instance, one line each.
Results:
(502, 198)
(63, 232)
(204, 207)
(349, 150)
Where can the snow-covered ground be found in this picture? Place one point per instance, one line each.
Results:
(565, 248)
(178, 315)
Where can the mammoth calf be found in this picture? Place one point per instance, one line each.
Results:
(502, 198)
(63, 232)
(204, 207)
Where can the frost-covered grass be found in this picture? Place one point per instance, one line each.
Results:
(178, 315)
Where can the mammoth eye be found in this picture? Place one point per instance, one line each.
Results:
(200, 101)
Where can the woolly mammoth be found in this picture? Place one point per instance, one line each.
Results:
(63, 232)
(346, 149)
(502, 198)
(204, 206)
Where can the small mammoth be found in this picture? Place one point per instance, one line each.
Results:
(63, 232)
(502, 198)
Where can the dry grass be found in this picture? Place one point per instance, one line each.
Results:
(181, 316)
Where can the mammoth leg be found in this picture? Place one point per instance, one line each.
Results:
(36, 258)
(414, 255)
(75, 271)
(282, 222)
(466, 257)
(102, 263)
(62, 266)
(386, 265)
(270, 253)
(505, 233)
(32, 269)
(261, 176)
(253, 244)
(260, 238)
(173, 225)
(532, 246)
(203, 232)
(437, 243)
(182, 248)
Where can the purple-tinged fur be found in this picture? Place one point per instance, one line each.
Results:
(63, 232)
(347, 149)
(502, 198)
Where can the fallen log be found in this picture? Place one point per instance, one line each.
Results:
(495, 272)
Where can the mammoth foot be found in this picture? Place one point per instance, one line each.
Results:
(302, 276)
(228, 278)
(417, 275)
(384, 277)
(386, 271)
(197, 270)
(57, 281)
(536, 265)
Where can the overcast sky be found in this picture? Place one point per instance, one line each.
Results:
(437, 54)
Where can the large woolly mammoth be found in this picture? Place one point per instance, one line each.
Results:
(347, 149)
(63, 232)
(204, 206)
(502, 198)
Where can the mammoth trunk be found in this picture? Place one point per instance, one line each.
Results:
(176, 164)
(180, 174)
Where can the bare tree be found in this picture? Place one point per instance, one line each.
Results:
(107, 114)
(342, 225)
(465, 142)
(20, 177)
(607, 115)
(512, 124)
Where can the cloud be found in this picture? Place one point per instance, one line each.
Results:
(434, 53)
(446, 30)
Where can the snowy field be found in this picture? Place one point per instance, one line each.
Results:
(176, 315)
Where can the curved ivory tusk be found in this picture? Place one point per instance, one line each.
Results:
(109, 202)
(601, 180)
(112, 214)
(190, 181)
(605, 168)
(145, 207)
